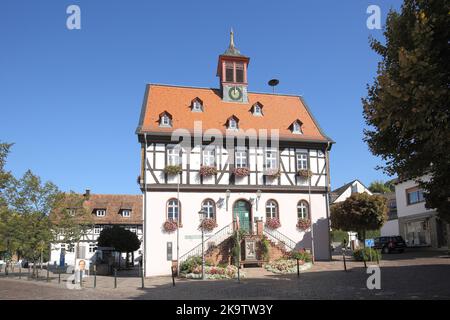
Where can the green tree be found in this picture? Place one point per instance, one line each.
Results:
(379, 186)
(120, 239)
(407, 107)
(360, 212)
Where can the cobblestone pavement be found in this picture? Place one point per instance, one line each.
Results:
(411, 275)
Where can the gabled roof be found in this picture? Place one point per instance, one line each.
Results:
(279, 112)
(336, 193)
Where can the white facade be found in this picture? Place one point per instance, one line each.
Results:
(390, 228)
(287, 190)
(355, 187)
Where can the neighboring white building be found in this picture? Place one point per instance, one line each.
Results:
(250, 182)
(341, 194)
(107, 210)
(416, 224)
(390, 227)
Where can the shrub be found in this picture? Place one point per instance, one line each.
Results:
(208, 171)
(189, 265)
(170, 226)
(265, 246)
(302, 255)
(172, 170)
(366, 254)
(241, 172)
(273, 223)
(303, 224)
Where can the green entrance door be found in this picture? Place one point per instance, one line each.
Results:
(241, 209)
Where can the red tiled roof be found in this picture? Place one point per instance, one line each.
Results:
(279, 112)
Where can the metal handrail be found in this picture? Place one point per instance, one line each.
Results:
(218, 237)
(277, 236)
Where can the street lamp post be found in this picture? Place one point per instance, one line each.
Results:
(202, 214)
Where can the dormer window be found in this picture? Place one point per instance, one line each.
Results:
(297, 127)
(257, 109)
(197, 105)
(165, 120)
(233, 123)
(126, 213)
(100, 212)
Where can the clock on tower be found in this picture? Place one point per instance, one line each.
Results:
(232, 72)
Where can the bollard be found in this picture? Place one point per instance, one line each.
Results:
(95, 276)
(48, 272)
(345, 263)
(115, 278)
(59, 276)
(298, 269)
(173, 277)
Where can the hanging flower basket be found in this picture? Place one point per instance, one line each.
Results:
(208, 224)
(241, 172)
(273, 223)
(273, 173)
(172, 170)
(170, 226)
(304, 173)
(206, 171)
(303, 224)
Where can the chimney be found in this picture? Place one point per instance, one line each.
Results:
(87, 193)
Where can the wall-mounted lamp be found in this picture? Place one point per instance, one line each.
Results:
(258, 196)
(228, 193)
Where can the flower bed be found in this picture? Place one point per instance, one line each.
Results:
(273, 223)
(303, 224)
(208, 224)
(170, 226)
(206, 171)
(287, 266)
(172, 170)
(212, 272)
(241, 172)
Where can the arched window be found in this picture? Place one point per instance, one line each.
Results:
(303, 210)
(271, 209)
(173, 210)
(210, 208)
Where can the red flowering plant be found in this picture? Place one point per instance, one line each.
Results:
(208, 224)
(170, 226)
(241, 172)
(273, 173)
(208, 171)
(303, 224)
(304, 173)
(273, 223)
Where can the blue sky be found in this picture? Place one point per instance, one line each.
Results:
(70, 99)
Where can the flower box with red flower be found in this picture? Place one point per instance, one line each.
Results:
(272, 173)
(170, 226)
(273, 223)
(241, 172)
(303, 224)
(208, 224)
(206, 171)
(304, 173)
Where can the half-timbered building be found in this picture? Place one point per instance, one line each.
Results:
(255, 161)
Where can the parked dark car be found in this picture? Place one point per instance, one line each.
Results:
(390, 244)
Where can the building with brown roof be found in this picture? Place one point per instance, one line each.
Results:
(234, 155)
(106, 210)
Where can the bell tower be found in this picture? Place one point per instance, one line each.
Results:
(232, 73)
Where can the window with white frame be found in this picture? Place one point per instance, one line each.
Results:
(100, 212)
(173, 210)
(126, 213)
(297, 127)
(197, 105)
(165, 121)
(97, 229)
(271, 209)
(241, 157)
(271, 161)
(303, 210)
(257, 110)
(173, 155)
(302, 161)
(209, 156)
(70, 248)
(92, 247)
(71, 211)
(232, 124)
(210, 208)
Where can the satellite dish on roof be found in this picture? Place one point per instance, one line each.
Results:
(273, 83)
